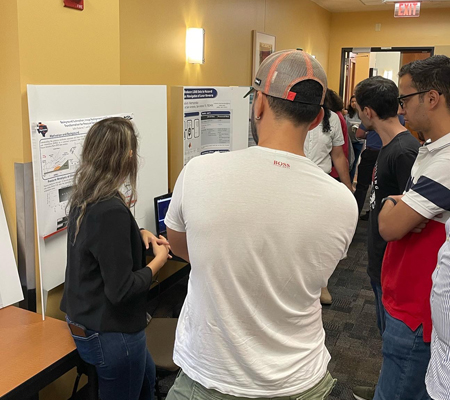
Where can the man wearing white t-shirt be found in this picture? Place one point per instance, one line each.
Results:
(263, 229)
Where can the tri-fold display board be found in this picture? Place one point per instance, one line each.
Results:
(60, 117)
(204, 120)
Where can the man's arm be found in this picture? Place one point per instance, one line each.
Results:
(360, 133)
(341, 164)
(178, 243)
(395, 221)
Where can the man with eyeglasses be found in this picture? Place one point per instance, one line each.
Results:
(413, 223)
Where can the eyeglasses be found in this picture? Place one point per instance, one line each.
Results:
(400, 98)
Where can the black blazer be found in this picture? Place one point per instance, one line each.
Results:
(107, 280)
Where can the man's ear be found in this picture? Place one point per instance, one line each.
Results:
(369, 112)
(434, 97)
(317, 120)
(260, 104)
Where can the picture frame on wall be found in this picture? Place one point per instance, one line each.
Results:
(263, 46)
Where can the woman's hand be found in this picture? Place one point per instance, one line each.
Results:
(147, 238)
(160, 248)
(161, 253)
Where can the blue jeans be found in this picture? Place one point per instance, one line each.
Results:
(357, 147)
(381, 312)
(124, 366)
(405, 361)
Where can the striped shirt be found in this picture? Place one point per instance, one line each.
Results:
(409, 262)
(438, 374)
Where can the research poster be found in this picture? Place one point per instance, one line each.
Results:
(208, 121)
(57, 149)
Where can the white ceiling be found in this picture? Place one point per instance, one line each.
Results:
(372, 5)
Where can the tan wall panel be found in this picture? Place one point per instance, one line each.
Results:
(152, 38)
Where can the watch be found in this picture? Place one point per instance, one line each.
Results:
(386, 199)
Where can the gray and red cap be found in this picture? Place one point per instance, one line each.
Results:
(281, 70)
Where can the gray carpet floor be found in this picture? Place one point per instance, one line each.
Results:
(352, 336)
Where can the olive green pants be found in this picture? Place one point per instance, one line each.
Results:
(185, 388)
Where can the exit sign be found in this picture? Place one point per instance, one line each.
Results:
(407, 9)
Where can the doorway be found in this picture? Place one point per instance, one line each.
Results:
(358, 64)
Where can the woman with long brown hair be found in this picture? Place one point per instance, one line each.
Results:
(107, 279)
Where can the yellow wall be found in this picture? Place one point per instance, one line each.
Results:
(11, 138)
(44, 43)
(143, 42)
(152, 38)
(357, 29)
(59, 46)
(300, 23)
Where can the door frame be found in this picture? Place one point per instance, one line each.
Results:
(345, 51)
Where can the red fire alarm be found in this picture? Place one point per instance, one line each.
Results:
(77, 4)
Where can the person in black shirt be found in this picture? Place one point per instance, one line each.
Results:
(377, 105)
(107, 279)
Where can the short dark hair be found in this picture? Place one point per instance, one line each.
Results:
(430, 73)
(299, 113)
(333, 101)
(378, 93)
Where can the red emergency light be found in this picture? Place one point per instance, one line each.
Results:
(408, 9)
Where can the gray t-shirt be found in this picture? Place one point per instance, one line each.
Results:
(353, 122)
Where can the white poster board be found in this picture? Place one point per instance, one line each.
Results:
(56, 148)
(149, 107)
(215, 119)
(10, 288)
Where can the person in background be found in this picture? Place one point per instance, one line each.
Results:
(410, 257)
(353, 122)
(254, 224)
(368, 160)
(324, 145)
(107, 279)
(377, 106)
(334, 103)
(366, 165)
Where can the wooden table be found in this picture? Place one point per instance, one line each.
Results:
(33, 352)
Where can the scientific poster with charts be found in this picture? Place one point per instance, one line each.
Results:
(207, 122)
(56, 148)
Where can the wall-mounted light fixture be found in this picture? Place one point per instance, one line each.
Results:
(195, 45)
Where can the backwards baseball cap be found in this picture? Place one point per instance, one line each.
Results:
(281, 70)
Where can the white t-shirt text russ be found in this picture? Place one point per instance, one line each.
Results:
(265, 229)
